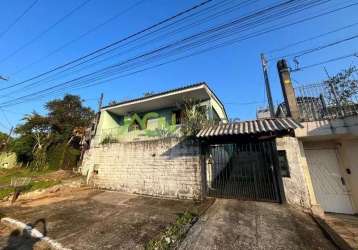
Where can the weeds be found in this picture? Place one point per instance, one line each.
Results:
(109, 140)
(173, 234)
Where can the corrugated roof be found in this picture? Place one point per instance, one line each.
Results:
(250, 127)
(162, 93)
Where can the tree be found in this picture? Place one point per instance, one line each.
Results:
(112, 103)
(195, 117)
(40, 136)
(342, 87)
(149, 93)
(35, 133)
(66, 114)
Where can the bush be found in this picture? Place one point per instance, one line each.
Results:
(62, 156)
(109, 139)
(173, 234)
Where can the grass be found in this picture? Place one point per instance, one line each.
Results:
(7, 174)
(174, 233)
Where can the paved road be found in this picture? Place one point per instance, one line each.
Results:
(234, 224)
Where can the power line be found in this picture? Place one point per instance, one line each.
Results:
(311, 38)
(175, 31)
(6, 30)
(355, 54)
(65, 85)
(91, 79)
(84, 34)
(7, 120)
(48, 29)
(315, 49)
(110, 45)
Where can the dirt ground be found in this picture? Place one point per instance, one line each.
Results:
(94, 219)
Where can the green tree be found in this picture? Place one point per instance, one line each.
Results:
(66, 114)
(39, 137)
(195, 117)
(342, 88)
(35, 132)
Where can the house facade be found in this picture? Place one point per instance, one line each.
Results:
(328, 139)
(138, 146)
(155, 116)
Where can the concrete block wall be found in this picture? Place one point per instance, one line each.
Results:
(168, 167)
(295, 186)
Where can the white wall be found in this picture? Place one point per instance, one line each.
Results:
(167, 167)
(349, 153)
(295, 186)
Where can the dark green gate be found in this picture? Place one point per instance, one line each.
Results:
(243, 170)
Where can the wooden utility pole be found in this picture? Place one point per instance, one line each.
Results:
(100, 102)
(9, 135)
(267, 85)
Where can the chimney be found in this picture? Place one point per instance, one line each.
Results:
(287, 90)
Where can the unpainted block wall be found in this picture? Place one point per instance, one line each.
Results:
(167, 167)
(295, 186)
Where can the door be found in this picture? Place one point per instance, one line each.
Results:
(329, 185)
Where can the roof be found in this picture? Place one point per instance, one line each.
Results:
(166, 99)
(250, 127)
(143, 98)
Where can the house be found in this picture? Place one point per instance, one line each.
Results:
(138, 148)
(138, 145)
(329, 142)
(155, 115)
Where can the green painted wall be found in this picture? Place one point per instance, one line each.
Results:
(157, 123)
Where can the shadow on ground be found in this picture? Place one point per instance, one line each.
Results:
(22, 239)
(93, 219)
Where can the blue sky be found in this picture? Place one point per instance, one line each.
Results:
(233, 72)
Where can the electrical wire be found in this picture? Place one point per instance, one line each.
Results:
(110, 45)
(355, 54)
(86, 79)
(82, 35)
(144, 55)
(11, 25)
(47, 30)
(298, 54)
(311, 38)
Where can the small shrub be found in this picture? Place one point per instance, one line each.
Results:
(108, 140)
(173, 234)
(195, 117)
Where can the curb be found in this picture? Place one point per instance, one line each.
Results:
(335, 237)
(33, 232)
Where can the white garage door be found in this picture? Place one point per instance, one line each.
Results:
(327, 181)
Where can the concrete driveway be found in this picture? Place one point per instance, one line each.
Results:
(93, 219)
(234, 224)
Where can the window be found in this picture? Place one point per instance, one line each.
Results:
(283, 163)
(178, 115)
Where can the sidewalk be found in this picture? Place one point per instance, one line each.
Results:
(344, 225)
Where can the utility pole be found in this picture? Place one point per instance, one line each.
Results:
(100, 102)
(9, 135)
(267, 85)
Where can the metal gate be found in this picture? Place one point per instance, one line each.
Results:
(244, 171)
